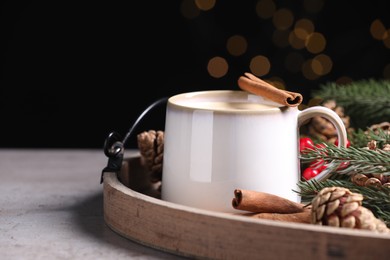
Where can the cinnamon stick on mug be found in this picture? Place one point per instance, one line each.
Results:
(262, 202)
(256, 86)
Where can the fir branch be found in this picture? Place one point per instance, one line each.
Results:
(377, 199)
(380, 136)
(366, 102)
(359, 160)
(360, 138)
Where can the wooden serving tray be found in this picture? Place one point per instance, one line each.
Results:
(132, 209)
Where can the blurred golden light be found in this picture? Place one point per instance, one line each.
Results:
(205, 5)
(276, 82)
(283, 19)
(265, 8)
(322, 64)
(313, 6)
(386, 72)
(188, 9)
(386, 39)
(236, 45)
(315, 42)
(307, 70)
(377, 29)
(293, 62)
(217, 67)
(260, 65)
(344, 80)
(316, 67)
(296, 42)
(303, 28)
(280, 38)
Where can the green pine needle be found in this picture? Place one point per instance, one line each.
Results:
(376, 199)
(356, 160)
(367, 102)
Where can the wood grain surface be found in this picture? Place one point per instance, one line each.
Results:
(135, 212)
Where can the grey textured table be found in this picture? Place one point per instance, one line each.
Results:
(51, 207)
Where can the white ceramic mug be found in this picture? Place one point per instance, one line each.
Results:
(217, 141)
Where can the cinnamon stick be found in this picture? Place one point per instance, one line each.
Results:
(256, 86)
(300, 217)
(262, 202)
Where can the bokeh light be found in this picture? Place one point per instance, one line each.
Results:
(298, 46)
(186, 45)
(217, 67)
(315, 42)
(236, 45)
(283, 19)
(205, 5)
(296, 42)
(260, 65)
(322, 64)
(377, 29)
(303, 28)
(307, 70)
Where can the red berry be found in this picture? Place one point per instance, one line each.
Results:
(336, 142)
(305, 143)
(318, 164)
(343, 165)
(309, 173)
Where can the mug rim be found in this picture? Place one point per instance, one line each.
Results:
(249, 103)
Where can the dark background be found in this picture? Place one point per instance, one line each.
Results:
(73, 71)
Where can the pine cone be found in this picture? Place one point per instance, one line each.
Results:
(339, 207)
(376, 128)
(378, 180)
(151, 147)
(322, 129)
(385, 126)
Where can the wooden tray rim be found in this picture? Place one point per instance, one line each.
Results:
(114, 189)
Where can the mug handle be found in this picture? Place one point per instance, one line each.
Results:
(332, 116)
